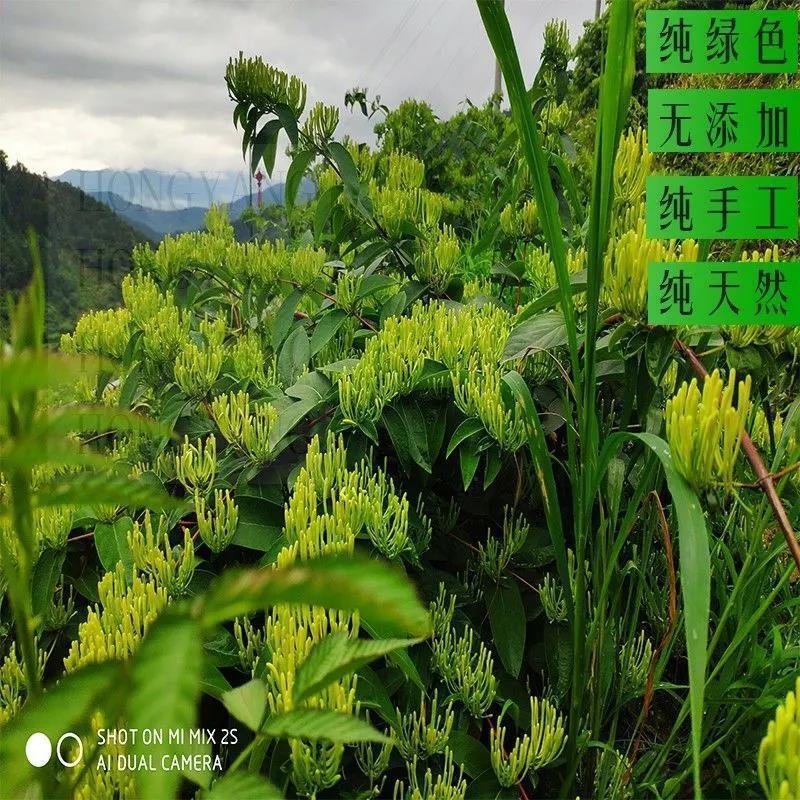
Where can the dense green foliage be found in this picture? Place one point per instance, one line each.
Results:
(405, 489)
(86, 248)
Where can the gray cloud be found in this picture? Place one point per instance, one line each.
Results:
(88, 84)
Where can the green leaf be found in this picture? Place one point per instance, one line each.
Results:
(695, 577)
(339, 655)
(247, 703)
(469, 753)
(544, 332)
(294, 356)
(106, 489)
(265, 146)
(507, 620)
(284, 317)
(242, 786)
(326, 329)
(379, 592)
(406, 426)
(288, 121)
(344, 162)
(166, 680)
(29, 372)
(314, 724)
(102, 419)
(294, 175)
(111, 541)
(466, 430)
(325, 204)
(45, 577)
(260, 524)
(468, 459)
(66, 706)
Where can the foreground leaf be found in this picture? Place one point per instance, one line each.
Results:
(351, 583)
(339, 655)
(167, 672)
(242, 786)
(313, 724)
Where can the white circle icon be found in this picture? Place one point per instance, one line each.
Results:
(76, 739)
(38, 749)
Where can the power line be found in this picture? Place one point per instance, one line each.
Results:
(393, 36)
(410, 44)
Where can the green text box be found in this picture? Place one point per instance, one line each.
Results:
(721, 207)
(724, 120)
(723, 293)
(750, 41)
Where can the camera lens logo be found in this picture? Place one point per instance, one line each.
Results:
(39, 749)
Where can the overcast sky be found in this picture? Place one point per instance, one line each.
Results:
(129, 84)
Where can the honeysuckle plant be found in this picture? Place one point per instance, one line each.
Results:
(412, 496)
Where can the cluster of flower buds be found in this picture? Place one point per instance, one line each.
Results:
(612, 776)
(395, 208)
(467, 667)
(116, 625)
(196, 464)
(170, 567)
(634, 665)
(438, 261)
(104, 333)
(143, 298)
(632, 167)
(403, 171)
(373, 761)
(444, 785)
(320, 124)
(197, 369)
(261, 86)
(217, 526)
(551, 595)
(13, 684)
(626, 263)
(704, 429)
(779, 754)
(250, 642)
(533, 751)
(422, 735)
(522, 223)
(557, 50)
(247, 426)
(164, 336)
(248, 362)
(496, 554)
(52, 525)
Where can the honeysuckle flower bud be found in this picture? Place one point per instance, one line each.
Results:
(116, 625)
(254, 83)
(403, 171)
(704, 429)
(626, 264)
(13, 683)
(53, 524)
(373, 760)
(633, 165)
(467, 667)
(634, 664)
(320, 124)
(551, 594)
(170, 567)
(420, 734)
(104, 333)
(196, 464)
(779, 753)
(217, 527)
(496, 554)
(143, 298)
(197, 369)
(444, 785)
(438, 261)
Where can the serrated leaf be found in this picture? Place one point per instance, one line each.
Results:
(339, 655)
(102, 488)
(352, 583)
(315, 724)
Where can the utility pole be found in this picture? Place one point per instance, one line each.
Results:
(597, 8)
(498, 75)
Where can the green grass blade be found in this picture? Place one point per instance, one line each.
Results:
(695, 572)
(499, 31)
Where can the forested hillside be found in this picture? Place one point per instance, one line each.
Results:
(86, 247)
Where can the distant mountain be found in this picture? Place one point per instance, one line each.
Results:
(167, 191)
(86, 247)
(158, 222)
